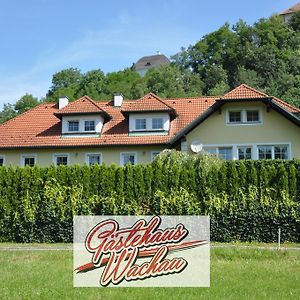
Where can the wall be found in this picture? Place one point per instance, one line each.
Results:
(110, 155)
(274, 129)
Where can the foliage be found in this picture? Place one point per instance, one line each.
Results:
(25, 103)
(246, 200)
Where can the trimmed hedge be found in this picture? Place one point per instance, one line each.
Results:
(246, 200)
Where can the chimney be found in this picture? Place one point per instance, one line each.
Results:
(118, 100)
(63, 102)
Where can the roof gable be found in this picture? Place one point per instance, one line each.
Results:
(244, 92)
(81, 106)
(149, 102)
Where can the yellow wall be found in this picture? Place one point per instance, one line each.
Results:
(77, 156)
(274, 129)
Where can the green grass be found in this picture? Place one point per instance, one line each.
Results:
(235, 274)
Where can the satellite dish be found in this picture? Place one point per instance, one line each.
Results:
(196, 146)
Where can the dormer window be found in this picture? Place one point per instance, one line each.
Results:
(73, 126)
(157, 124)
(140, 124)
(89, 125)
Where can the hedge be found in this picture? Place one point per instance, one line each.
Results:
(246, 200)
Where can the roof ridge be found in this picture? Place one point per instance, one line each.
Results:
(90, 100)
(240, 87)
(193, 97)
(159, 99)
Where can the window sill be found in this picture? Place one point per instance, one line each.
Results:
(244, 123)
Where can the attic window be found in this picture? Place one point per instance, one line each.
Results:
(148, 64)
(73, 126)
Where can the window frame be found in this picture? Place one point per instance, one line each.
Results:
(135, 124)
(217, 148)
(244, 116)
(154, 154)
(56, 155)
(84, 126)
(245, 153)
(73, 121)
(162, 123)
(128, 153)
(87, 155)
(235, 111)
(3, 158)
(273, 154)
(25, 156)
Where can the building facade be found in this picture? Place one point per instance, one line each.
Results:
(243, 124)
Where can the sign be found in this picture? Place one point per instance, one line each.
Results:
(141, 251)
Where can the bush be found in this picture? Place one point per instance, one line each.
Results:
(246, 200)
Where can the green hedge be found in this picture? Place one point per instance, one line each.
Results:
(246, 200)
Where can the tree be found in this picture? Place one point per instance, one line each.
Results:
(93, 84)
(65, 83)
(294, 22)
(25, 103)
(165, 81)
(7, 112)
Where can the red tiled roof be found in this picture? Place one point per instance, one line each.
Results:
(290, 108)
(146, 103)
(39, 127)
(82, 105)
(244, 92)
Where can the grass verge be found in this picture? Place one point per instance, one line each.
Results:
(235, 274)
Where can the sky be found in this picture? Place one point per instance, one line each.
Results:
(42, 37)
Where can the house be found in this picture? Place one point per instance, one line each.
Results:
(242, 124)
(288, 13)
(149, 62)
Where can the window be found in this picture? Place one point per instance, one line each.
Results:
(61, 159)
(225, 153)
(1, 160)
(73, 125)
(157, 123)
(128, 158)
(140, 124)
(89, 125)
(28, 160)
(154, 154)
(235, 116)
(281, 152)
(265, 152)
(252, 116)
(93, 159)
(244, 116)
(211, 150)
(244, 153)
(273, 152)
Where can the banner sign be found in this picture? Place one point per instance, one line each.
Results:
(141, 251)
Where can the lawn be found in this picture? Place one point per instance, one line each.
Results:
(236, 273)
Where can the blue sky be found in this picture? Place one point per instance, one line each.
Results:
(41, 37)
